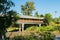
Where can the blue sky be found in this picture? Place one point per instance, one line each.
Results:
(42, 6)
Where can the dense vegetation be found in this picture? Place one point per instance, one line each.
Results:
(44, 28)
(38, 33)
(32, 36)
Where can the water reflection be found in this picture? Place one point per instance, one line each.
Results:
(57, 38)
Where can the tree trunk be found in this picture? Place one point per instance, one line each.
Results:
(3, 36)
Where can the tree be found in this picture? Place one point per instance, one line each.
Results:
(56, 20)
(4, 8)
(48, 18)
(41, 15)
(9, 19)
(5, 5)
(12, 15)
(27, 8)
(36, 14)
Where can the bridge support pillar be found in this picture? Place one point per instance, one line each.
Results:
(39, 25)
(22, 26)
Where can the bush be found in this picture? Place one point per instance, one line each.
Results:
(57, 28)
(47, 36)
(42, 36)
(26, 37)
(42, 28)
(33, 28)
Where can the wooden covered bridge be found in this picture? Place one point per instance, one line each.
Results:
(26, 21)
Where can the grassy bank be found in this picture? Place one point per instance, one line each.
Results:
(35, 33)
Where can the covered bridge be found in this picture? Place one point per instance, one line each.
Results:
(26, 21)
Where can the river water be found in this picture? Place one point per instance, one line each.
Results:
(57, 37)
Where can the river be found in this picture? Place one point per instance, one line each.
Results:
(57, 37)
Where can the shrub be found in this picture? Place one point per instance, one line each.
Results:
(42, 36)
(32, 28)
(57, 28)
(26, 37)
(42, 28)
(47, 36)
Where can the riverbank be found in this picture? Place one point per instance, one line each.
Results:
(56, 32)
(29, 35)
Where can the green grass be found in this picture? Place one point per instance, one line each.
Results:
(11, 29)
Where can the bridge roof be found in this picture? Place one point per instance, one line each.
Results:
(30, 17)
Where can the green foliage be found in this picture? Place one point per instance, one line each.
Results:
(32, 36)
(57, 28)
(5, 5)
(36, 14)
(27, 37)
(48, 18)
(27, 8)
(48, 28)
(42, 28)
(10, 29)
(41, 15)
(8, 19)
(4, 20)
(13, 14)
(32, 28)
(56, 20)
(47, 36)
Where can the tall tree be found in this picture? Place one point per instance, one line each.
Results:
(48, 18)
(12, 15)
(4, 7)
(27, 8)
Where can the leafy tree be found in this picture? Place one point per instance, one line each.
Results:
(4, 8)
(56, 20)
(9, 19)
(12, 15)
(41, 15)
(27, 8)
(36, 14)
(48, 18)
(5, 5)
